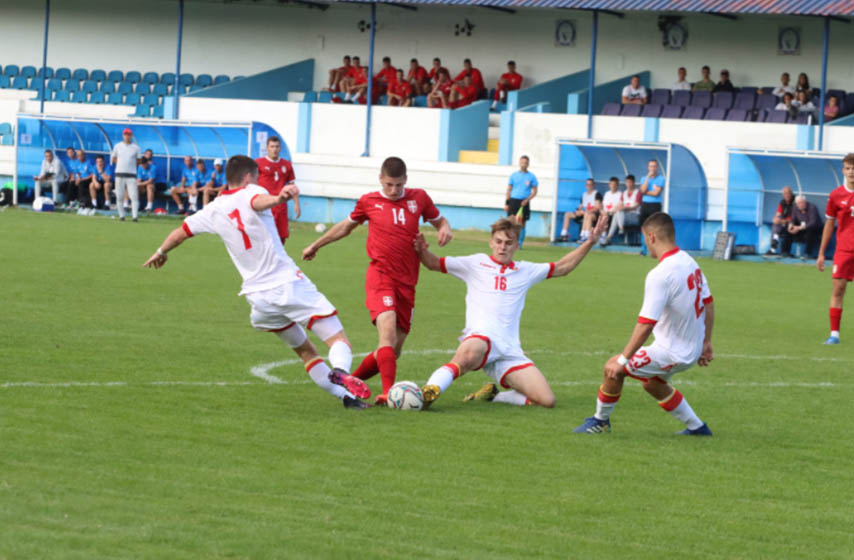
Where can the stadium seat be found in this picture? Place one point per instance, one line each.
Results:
(702, 99)
(72, 85)
(237, 78)
(803, 118)
(840, 94)
(108, 86)
(35, 84)
(745, 100)
(766, 101)
(133, 77)
(309, 97)
(694, 112)
(20, 82)
(11, 70)
(160, 89)
(4, 81)
(672, 111)
(715, 114)
(151, 77)
(142, 88)
(157, 111)
(97, 97)
(738, 115)
(611, 109)
(150, 99)
(660, 97)
(681, 97)
(132, 99)
(79, 96)
(204, 80)
(221, 79)
(848, 105)
(5, 128)
(631, 110)
(125, 87)
(142, 110)
(62, 73)
(722, 100)
(89, 86)
(186, 80)
(98, 75)
(28, 71)
(116, 76)
(115, 98)
(777, 117)
(54, 84)
(48, 95)
(61, 95)
(197, 87)
(167, 78)
(652, 110)
(80, 74)
(45, 72)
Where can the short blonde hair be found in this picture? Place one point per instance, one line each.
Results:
(507, 225)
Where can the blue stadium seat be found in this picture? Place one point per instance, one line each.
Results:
(5, 81)
(702, 99)
(309, 97)
(97, 97)
(197, 87)
(80, 74)
(611, 109)
(61, 95)
(115, 98)
(150, 99)
(28, 71)
(160, 89)
(237, 78)
(157, 112)
(116, 76)
(5, 128)
(167, 78)
(777, 117)
(133, 77)
(694, 112)
(681, 97)
(715, 114)
(745, 100)
(11, 70)
(652, 110)
(132, 99)
(660, 97)
(108, 86)
(143, 88)
(125, 87)
(62, 73)
(848, 105)
(722, 100)
(72, 85)
(204, 80)
(45, 72)
(631, 110)
(840, 94)
(20, 82)
(35, 84)
(142, 110)
(221, 79)
(672, 111)
(89, 86)
(766, 101)
(98, 75)
(54, 84)
(79, 96)
(186, 80)
(151, 77)
(802, 118)
(48, 95)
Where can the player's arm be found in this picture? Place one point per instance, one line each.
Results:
(339, 231)
(533, 194)
(639, 337)
(571, 260)
(297, 210)
(443, 226)
(158, 259)
(428, 259)
(261, 202)
(826, 234)
(708, 353)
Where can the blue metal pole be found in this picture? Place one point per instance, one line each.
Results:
(44, 55)
(592, 75)
(370, 99)
(823, 95)
(175, 89)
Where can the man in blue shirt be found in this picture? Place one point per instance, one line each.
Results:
(521, 189)
(189, 185)
(652, 190)
(216, 183)
(146, 173)
(82, 173)
(102, 179)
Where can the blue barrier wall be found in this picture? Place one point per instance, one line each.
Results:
(272, 85)
(466, 128)
(576, 103)
(554, 92)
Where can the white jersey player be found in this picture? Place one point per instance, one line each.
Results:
(495, 297)
(282, 298)
(678, 309)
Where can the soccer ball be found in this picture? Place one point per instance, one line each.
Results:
(320, 228)
(405, 395)
(43, 204)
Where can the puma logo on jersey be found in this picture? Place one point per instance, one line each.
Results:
(380, 206)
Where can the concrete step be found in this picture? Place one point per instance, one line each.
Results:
(493, 132)
(492, 145)
(477, 156)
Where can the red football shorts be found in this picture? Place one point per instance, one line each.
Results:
(280, 215)
(383, 293)
(843, 265)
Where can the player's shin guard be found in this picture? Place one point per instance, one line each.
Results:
(387, 363)
(835, 320)
(368, 368)
(319, 373)
(605, 404)
(444, 376)
(511, 397)
(679, 408)
(341, 356)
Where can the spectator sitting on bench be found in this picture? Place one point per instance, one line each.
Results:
(52, 172)
(417, 78)
(591, 203)
(216, 183)
(681, 82)
(803, 84)
(435, 70)
(473, 73)
(705, 83)
(784, 87)
(831, 109)
(385, 77)
(102, 179)
(82, 174)
(635, 93)
(781, 220)
(68, 188)
(189, 185)
(509, 81)
(338, 74)
(146, 174)
(806, 227)
(439, 96)
(724, 84)
(400, 92)
(805, 106)
(787, 105)
(464, 93)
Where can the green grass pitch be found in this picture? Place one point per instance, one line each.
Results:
(116, 443)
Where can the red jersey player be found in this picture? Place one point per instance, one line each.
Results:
(273, 174)
(840, 213)
(509, 81)
(400, 92)
(473, 73)
(394, 213)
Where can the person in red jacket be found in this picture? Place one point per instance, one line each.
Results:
(417, 78)
(509, 81)
(464, 93)
(385, 76)
(400, 92)
(437, 69)
(338, 74)
(473, 73)
(440, 94)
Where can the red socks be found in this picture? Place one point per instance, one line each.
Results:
(368, 368)
(835, 318)
(671, 402)
(387, 363)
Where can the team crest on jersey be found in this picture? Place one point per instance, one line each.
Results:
(412, 205)
(388, 301)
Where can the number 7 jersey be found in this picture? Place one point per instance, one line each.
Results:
(250, 238)
(675, 298)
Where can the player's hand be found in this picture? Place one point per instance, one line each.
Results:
(420, 243)
(156, 261)
(707, 356)
(819, 262)
(601, 226)
(297, 211)
(613, 370)
(445, 236)
(525, 202)
(309, 253)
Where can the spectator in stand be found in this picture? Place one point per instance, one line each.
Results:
(346, 81)
(705, 83)
(189, 185)
(52, 172)
(787, 105)
(806, 227)
(68, 188)
(681, 82)
(82, 174)
(635, 93)
(400, 92)
(831, 108)
(102, 179)
(591, 201)
(385, 77)
(610, 205)
(146, 175)
(522, 187)
(439, 96)
(784, 87)
(417, 78)
(781, 220)
(216, 183)
(437, 69)
(509, 81)
(338, 74)
(474, 74)
(357, 85)
(804, 105)
(464, 93)
(652, 190)
(803, 84)
(724, 84)
(126, 156)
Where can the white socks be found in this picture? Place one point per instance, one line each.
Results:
(442, 377)
(341, 356)
(604, 410)
(511, 397)
(319, 373)
(834, 334)
(685, 414)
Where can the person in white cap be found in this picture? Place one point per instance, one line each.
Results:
(126, 157)
(216, 183)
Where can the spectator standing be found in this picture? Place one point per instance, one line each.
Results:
(52, 172)
(417, 78)
(474, 74)
(216, 183)
(439, 96)
(126, 156)
(803, 84)
(146, 175)
(705, 83)
(781, 220)
(509, 81)
(724, 84)
(464, 93)
(681, 83)
(831, 108)
(591, 201)
(784, 87)
(400, 91)
(610, 206)
(651, 190)
(338, 74)
(806, 227)
(82, 172)
(190, 182)
(521, 189)
(635, 93)
(102, 179)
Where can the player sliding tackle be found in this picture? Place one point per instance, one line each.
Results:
(678, 310)
(283, 300)
(496, 287)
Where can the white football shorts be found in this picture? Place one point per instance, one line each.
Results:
(292, 302)
(502, 357)
(654, 361)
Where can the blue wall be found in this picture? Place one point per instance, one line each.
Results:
(466, 128)
(272, 85)
(608, 92)
(554, 92)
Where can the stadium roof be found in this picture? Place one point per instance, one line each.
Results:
(733, 7)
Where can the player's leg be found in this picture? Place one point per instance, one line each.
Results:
(192, 197)
(120, 194)
(471, 354)
(564, 230)
(606, 401)
(387, 350)
(93, 193)
(671, 400)
(837, 295)
(54, 185)
(176, 192)
(330, 330)
(527, 385)
(130, 185)
(149, 196)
